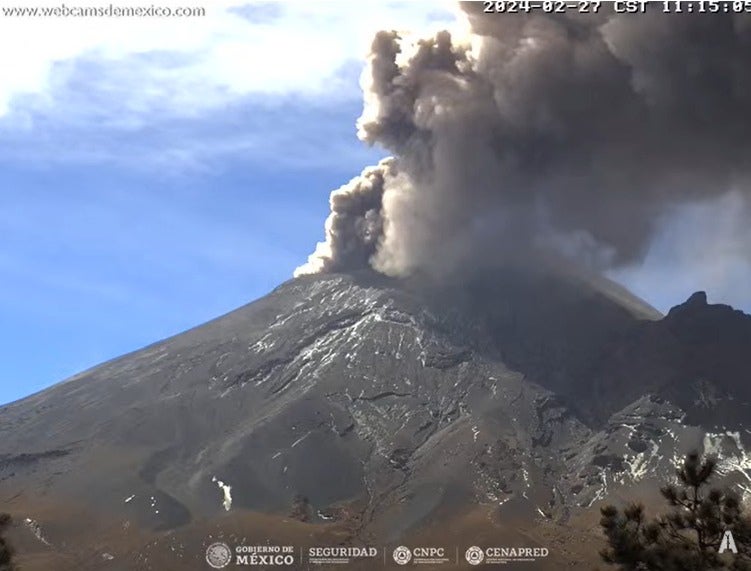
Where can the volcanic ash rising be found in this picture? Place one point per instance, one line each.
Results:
(542, 136)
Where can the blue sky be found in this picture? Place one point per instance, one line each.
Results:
(101, 258)
(155, 174)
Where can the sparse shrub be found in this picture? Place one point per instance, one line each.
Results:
(689, 535)
(6, 553)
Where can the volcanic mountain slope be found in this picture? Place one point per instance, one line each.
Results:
(370, 408)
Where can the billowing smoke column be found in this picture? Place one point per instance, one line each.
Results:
(543, 136)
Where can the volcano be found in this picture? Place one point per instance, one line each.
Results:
(353, 409)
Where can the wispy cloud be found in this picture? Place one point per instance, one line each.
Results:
(182, 66)
(270, 81)
(292, 135)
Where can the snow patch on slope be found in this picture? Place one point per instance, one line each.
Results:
(731, 454)
(36, 529)
(639, 465)
(226, 491)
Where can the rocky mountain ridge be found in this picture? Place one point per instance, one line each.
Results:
(369, 405)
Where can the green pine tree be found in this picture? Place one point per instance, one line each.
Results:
(688, 537)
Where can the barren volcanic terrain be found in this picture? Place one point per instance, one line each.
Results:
(355, 409)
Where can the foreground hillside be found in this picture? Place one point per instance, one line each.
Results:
(355, 409)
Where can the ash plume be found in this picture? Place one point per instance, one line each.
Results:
(542, 136)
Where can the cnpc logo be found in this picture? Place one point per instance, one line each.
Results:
(420, 555)
(402, 555)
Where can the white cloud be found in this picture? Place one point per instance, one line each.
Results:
(183, 66)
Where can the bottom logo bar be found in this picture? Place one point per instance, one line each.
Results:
(220, 555)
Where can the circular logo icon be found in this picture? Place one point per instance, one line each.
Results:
(402, 555)
(218, 555)
(474, 555)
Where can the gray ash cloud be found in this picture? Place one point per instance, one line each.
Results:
(563, 137)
